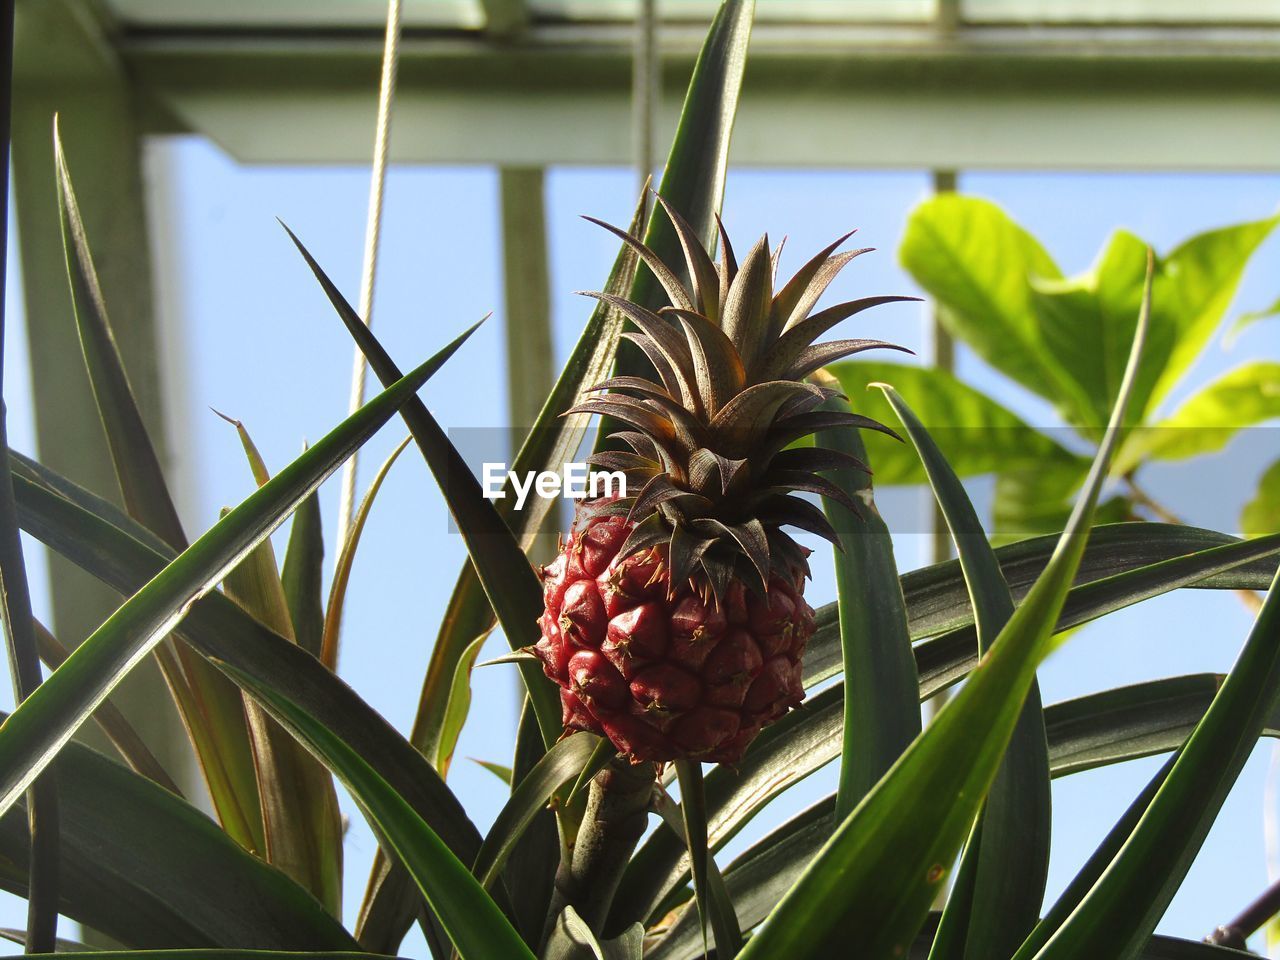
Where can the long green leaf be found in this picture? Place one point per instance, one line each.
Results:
(875, 878)
(508, 579)
(475, 925)
(806, 740)
(45, 721)
(209, 704)
(882, 696)
(96, 536)
(302, 575)
(562, 764)
(1121, 910)
(712, 899)
(220, 955)
(1001, 878)
(150, 870)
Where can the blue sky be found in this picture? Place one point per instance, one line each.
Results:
(262, 344)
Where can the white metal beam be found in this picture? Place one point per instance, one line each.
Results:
(883, 96)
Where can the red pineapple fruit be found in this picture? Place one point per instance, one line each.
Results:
(675, 618)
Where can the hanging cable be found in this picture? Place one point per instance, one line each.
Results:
(372, 237)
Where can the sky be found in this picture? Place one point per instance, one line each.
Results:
(251, 334)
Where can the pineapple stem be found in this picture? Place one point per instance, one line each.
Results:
(616, 817)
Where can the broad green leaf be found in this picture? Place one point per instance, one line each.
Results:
(1193, 288)
(346, 558)
(882, 697)
(47, 719)
(96, 536)
(1001, 877)
(1208, 420)
(509, 581)
(475, 925)
(974, 261)
(1121, 910)
(1262, 513)
(150, 870)
(1246, 320)
(975, 433)
(875, 878)
(1086, 324)
(210, 706)
(560, 765)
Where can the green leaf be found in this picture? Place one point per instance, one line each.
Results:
(1120, 911)
(688, 820)
(712, 899)
(1001, 878)
(573, 940)
(302, 575)
(508, 579)
(475, 925)
(974, 261)
(882, 696)
(1208, 420)
(877, 875)
(347, 558)
(560, 765)
(210, 706)
(1262, 513)
(1193, 288)
(1246, 320)
(149, 870)
(501, 771)
(975, 433)
(300, 816)
(45, 721)
(93, 534)
(459, 702)
(237, 954)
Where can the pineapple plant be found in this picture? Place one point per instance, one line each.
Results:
(675, 618)
(660, 653)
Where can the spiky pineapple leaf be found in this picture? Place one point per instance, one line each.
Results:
(302, 575)
(508, 579)
(689, 820)
(99, 538)
(1000, 881)
(210, 706)
(881, 703)
(560, 765)
(346, 560)
(1123, 907)
(237, 954)
(473, 922)
(46, 720)
(877, 875)
(149, 870)
(804, 741)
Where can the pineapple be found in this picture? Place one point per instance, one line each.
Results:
(675, 619)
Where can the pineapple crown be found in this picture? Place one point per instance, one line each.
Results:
(710, 439)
